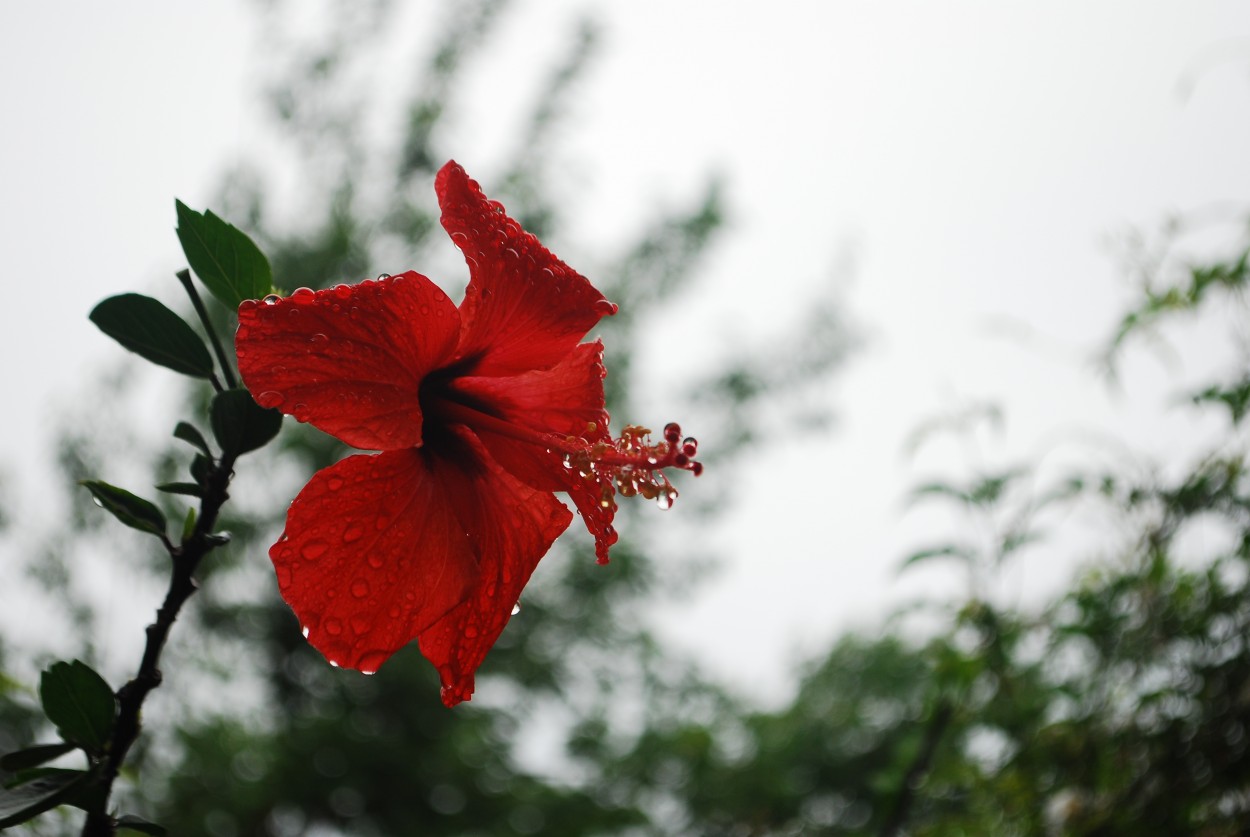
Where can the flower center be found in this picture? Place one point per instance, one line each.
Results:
(630, 465)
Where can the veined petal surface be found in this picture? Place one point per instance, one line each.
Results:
(373, 554)
(350, 359)
(510, 527)
(524, 309)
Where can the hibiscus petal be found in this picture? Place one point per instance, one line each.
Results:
(349, 359)
(372, 555)
(511, 526)
(524, 308)
(566, 400)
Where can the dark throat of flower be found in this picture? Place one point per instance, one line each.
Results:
(630, 465)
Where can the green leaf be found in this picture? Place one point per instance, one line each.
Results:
(30, 799)
(134, 511)
(34, 756)
(133, 823)
(191, 489)
(240, 424)
(201, 469)
(188, 433)
(227, 262)
(80, 703)
(150, 330)
(961, 553)
(188, 525)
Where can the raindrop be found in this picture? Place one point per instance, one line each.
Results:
(334, 627)
(342, 291)
(335, 483)
(97, 501)
(375, 561)
(381, 522)
(371, 661)
(302, 294)
(471, 631)
(516, 608)
(382, 276)
(360, 625)
(304, 631)
(360, 588)
(269, 399)
(314, 550)
(353, 533)
(665, 500)
(318, 338)
(271, 299)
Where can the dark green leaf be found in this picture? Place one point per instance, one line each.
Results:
(79, 702)
(201, 468)
(188, 525)
(149, 329)
(190, 489)
(134, 511)
(34, 756)
(188, 433)
(130, 821)
(240, 424)
(227, 262)
(27, 800)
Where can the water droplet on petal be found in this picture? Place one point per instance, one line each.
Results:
(470, 631)
(371, 661)
(360, 588)
(271, 299)
(269, 399)
(603, 306)
(375, 561)
(314, 549)
(334, 627)
(304, 631)
(360, 625)
(334, 483)
(382, 276)
(381, 522)
(353, 533)
(342, 291)
(302, 295)
(516, 608)
(318, 338)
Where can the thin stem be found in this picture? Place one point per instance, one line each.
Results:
(184, 276)
(130, 697)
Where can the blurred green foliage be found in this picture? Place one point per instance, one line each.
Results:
(1120, 708)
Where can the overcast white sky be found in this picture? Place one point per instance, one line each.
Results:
(969, 160)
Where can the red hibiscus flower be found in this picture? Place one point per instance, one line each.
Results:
(480, 413)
